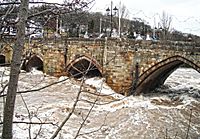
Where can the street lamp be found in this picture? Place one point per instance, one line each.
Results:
(110, 13)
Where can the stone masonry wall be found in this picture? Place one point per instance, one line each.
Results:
(89, 48)
(119, 66)
(117, 57)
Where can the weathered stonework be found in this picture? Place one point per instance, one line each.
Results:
(129, 66)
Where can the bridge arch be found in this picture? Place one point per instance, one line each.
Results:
(84, 65)
(34, 62)
(157, 74)
(2, 59)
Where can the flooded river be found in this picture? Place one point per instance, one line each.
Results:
(171, 111)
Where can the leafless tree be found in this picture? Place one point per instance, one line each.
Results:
(22, 17)
(165, 25)
(14, 74)
(124, 14)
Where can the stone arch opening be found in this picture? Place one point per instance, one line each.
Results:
(156, 75)
(2, 59)
(34, 62)
(84, 66)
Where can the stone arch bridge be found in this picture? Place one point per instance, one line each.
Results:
(129, 66)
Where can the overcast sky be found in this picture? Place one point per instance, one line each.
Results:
(185, 13)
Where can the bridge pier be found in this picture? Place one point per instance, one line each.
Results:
(135, 81)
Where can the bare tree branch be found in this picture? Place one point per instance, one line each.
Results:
(3, 89)
(11, 8)
(188, 129)
(96, 129)
(84, 119)
(34, 90)
(29, 115)
(69, 115)
(33, 123)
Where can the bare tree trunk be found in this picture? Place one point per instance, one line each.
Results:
(14, 73)
(165, 22)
